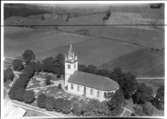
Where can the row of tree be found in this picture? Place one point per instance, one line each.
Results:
(90, 108)
(49, 64)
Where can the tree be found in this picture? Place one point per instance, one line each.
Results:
(158, 101)
(41, 100)
(77, 109)
(29, 70)
(48, 80)
(8, 75)
(117, 75)
(38, 66)
(17, 65)
(49, 65)
(28, 56)
(143, 94)
(138, 110)
(130, 85)
(96, 108)
(148, 108)
(127, 82)
(62, 105)
(107, 15)
(49, 103)
(103, 72)
(91, 69)
(17, 93)
(116, 101)
(29, 97)
(60, 64)
(108, 95)
(82, 67)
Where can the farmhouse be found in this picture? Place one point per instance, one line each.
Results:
(86, 84)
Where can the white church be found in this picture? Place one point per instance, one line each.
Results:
(86, 84)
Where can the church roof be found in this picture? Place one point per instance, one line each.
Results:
(93, 81)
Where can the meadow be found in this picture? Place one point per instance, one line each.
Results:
(103, 43)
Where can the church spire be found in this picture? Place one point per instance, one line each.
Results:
(70, 47)
(70, 51)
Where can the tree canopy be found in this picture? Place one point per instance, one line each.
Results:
(144, 93)
(29, 97)
(158, 101)
(17, 65)
(28, 56)
(8, 75)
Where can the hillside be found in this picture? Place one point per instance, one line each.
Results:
(107, 43)
(21, 10)
(49, 42)
(143, 62)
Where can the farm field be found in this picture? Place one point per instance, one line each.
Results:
(143, 62)
(119, 51)
(96, 41)
(50, 42)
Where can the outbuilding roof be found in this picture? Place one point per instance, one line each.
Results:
(93, 81)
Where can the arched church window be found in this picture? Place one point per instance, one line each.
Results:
(69, 66)
(91, 91)
(78, 88)
(98, 93)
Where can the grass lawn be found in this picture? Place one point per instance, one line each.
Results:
(33, 83)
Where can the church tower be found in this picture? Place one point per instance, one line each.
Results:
(71, 64)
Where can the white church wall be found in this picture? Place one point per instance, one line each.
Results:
(75, 89)
(94, 94)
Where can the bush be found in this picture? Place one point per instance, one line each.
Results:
(143, 94)
(49, 103)
(77, 109)
(18, 65)
(29, 97)
(62, 105)
(138, 109)
(17, 93)
(116, 101)
(41, 100)
(8, 75)
(158, 100)
(59, 86)
(28, 56)
(148, 108)
(92, 108)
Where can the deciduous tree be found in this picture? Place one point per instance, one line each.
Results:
(17, 65)
(29, 97)
(28, 56)
(8, 75)
(41, 100)
(143, 94)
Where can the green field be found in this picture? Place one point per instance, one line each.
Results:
(50, 42)
(95, 41)
(143, 62)
(97, 50)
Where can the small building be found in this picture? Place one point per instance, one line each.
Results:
(86, 84)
